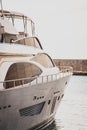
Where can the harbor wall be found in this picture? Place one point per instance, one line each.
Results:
(79, 66)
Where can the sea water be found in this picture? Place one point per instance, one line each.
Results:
(72, 112)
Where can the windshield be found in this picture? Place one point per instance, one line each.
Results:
(21, 22)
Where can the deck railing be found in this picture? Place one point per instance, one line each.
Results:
(64, 71)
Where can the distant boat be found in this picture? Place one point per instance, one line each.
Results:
(31, 85)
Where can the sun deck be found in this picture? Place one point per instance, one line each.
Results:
(18, 29)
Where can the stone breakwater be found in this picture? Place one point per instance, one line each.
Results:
(79, 66)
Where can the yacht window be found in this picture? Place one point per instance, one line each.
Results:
(0, 37)
(44, 60)
(19, 25)
(21, 70)
(32, 41)
(29, 30)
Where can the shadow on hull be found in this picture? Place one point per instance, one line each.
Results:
(49, 124)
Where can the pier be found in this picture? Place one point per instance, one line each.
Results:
(79, 66)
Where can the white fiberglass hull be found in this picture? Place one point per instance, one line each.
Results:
(26, 107)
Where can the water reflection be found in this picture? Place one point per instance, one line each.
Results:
(52, 126)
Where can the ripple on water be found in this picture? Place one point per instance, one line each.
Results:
(73, 109)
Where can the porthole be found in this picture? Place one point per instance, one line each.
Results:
(58, 98)
(49, 101)
(66, 83)
(9, 105)
(4, 107)
(62, 95)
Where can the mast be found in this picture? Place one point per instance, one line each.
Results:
(1, 8)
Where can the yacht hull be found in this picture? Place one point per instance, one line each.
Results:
(26, 107)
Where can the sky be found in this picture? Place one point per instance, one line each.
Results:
(61, 25)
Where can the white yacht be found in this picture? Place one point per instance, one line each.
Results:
(31, 85)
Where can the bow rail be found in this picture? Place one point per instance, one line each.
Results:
(64, 71)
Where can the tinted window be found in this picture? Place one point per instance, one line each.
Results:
(44, 60)
(21, 70)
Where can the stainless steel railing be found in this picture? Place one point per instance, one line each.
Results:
(64, 71)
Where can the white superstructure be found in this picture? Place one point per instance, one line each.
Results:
(31, 86)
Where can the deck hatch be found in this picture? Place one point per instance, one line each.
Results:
(32, 110)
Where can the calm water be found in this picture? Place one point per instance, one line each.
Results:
(72, 112)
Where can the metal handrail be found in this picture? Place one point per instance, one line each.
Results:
(64, 71)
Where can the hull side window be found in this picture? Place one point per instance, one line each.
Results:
(19, 71)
